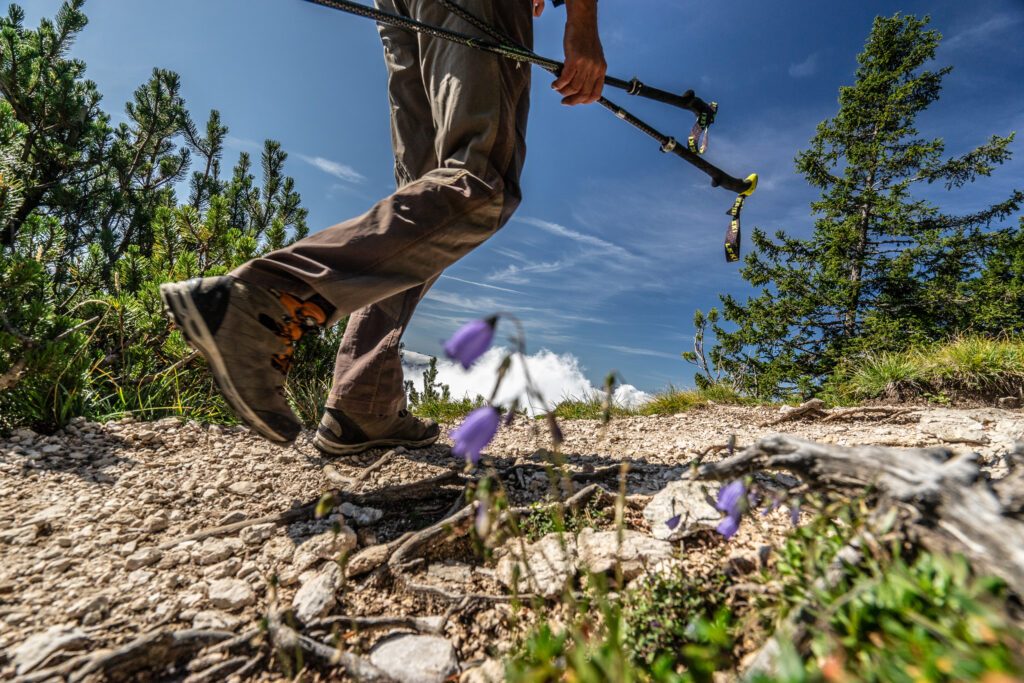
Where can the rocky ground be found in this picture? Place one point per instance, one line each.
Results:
(96, 520)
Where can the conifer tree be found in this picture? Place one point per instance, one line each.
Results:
(883, 269)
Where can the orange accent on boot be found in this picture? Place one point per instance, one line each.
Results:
(302, 316)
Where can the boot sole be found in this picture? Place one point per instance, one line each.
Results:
(333, 448)
(181, 310)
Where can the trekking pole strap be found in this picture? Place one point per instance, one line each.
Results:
(733, 234)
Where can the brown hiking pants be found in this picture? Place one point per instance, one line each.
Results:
(458, 125)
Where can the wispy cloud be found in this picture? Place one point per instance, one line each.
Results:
(516, 275)
(481, 284)
(984, 31)
(234, 142)
(335, 168)
(633, 351)
(806, 68)
(579, 237)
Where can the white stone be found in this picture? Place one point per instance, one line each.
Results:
(953, 426)
(325, 546)
(243, 488)
(491, 671)
(154, 523)
(360, 515)
(255, 535)
(317, 596)
(37, 648)
(231, 594)
(692, 501)
(416, 659)
(638, 553)
(144, 557)
(214, 550)
(549, 564)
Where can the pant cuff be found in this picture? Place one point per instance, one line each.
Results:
(374, 408)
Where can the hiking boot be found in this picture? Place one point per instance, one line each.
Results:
(339, 434)
(247, 335)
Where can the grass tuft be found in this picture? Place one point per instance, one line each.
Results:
(965, 368)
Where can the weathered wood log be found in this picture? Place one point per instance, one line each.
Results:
(957, 508)
(813, 408)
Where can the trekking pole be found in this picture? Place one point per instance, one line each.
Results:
(505, 47)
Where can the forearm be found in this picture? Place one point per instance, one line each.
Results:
(581, 12)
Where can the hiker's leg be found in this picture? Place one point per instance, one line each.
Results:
(368, 379)
(368, 357)
(479, 104)
(406, 240)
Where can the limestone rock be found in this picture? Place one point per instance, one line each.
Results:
(316, 597)
(360, 515)
(549, 564)
(491, 671)
(953, 426)
(416, 659)
(243, 488)
(231, 594)
(257, 534)
(144, 557)
(154, 523)
(214, 550)
(37, 648)
(691, 501)
(637, 554)
(325, 546)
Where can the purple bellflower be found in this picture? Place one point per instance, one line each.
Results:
(471, 341)
(475, 432)
(731, 501)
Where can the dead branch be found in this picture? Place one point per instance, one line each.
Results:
(421, 541)
(812, 408)
(956, 507)
(427, 488)
(289, 640)
(431, 625)
(152, 651)
(887, 412)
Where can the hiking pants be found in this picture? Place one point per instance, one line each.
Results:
(458, 128)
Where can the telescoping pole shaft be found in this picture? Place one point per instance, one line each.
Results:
(719, 178)
(687, 100)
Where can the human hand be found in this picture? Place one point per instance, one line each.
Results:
(538, 7)
(582, 77)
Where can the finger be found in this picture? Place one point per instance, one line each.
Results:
(538, 7)
(566, 77)
(580, 82)
(586, 89)
(598, 87)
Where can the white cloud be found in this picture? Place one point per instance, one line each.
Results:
(984, 31)
(516, 275)
(557, 376)
(576, 236)
(633, 351)
(334, 168)
(480, 284)
(806, 68)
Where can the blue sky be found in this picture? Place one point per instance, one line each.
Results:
(615, 244)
